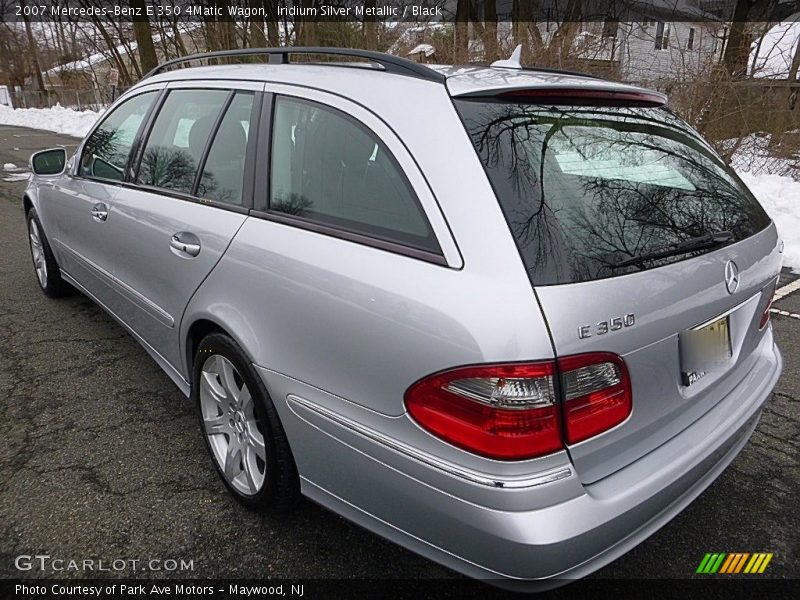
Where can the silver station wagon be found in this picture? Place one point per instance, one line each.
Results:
(512, 319)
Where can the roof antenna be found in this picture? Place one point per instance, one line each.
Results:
(512, 62)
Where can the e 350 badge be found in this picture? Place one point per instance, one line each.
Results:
(603, 327)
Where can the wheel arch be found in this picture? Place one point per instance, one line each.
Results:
(198, 330)
(201, 324)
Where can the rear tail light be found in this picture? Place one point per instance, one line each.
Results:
(597, 394)
(510, 411)
(506, 412)
(769, 292)
(765, 315)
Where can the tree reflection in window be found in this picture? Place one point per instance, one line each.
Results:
(178, 138)
(106, 151)
(584, 188)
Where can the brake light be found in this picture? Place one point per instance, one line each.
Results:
(765, 315)
(509, 411)
(505, 411)
(769, 292)
(587, 96)
(597, 394)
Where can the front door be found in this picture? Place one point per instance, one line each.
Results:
(79, 208)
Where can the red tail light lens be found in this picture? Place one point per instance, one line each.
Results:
(505, 412)
(765, 316)
(584, 96)
(597, 394)
(509, 411)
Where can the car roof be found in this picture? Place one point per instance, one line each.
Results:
(459, 80)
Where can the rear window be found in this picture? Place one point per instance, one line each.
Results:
(587, 188)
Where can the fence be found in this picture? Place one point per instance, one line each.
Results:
(79, 99)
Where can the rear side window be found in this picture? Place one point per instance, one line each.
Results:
(178, 138)
(585, 189)
(106, 152)
(329, 169)
(223, 172)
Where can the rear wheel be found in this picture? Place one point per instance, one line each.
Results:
(44, 263)
(241, 428)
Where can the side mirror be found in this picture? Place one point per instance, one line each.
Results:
(49, 162)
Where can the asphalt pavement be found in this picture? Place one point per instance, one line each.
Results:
(102, 457)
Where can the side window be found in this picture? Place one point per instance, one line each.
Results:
(329, 169)
(178, 138)
(105, 153)
(223, 173)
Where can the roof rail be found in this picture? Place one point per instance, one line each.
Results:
(389, 63)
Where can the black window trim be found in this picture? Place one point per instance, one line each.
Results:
(212, 136)
(249, 167)
(144, 125)
(263, 192)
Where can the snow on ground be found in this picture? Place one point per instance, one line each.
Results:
(780, 197)
(57, 119)
(10, 167)
(772, 57)
(17, 177)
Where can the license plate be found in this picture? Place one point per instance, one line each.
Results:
(704, 350)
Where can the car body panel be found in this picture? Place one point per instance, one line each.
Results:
(153, 282)
(568, 528)
(665, 301)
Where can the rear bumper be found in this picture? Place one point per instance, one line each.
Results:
(583, 529)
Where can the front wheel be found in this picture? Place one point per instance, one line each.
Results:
(44, 263)
(241, 428)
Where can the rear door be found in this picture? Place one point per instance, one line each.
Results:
(190, 196)
(598, 199)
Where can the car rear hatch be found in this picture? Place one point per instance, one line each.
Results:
(639, 241)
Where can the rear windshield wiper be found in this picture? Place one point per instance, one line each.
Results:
(708, 240)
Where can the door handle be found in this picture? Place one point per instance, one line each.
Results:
(192, 248)
(100, 212)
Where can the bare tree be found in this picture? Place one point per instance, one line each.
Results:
(144, 37)
(370, 28)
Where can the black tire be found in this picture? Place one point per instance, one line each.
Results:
(54, 286)
(280, 490)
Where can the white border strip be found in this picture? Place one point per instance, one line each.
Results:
(786, 290)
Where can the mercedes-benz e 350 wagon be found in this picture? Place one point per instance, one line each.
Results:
(512, 319)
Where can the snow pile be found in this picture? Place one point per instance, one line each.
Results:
(10, 167)
(772, 57)
(57, 119)
(17, 177)
(780, 197)
(756, 155)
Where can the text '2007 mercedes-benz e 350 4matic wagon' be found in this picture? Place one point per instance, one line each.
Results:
(512, 319)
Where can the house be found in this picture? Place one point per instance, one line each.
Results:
(643, 41)
(98, 70)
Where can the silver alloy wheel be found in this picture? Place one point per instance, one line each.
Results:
(230, 422)
(37, 251)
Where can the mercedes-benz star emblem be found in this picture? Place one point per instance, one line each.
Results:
(731, 276)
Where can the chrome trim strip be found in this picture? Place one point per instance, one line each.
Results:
(427, 459)
(726, 313)
(147, 305)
